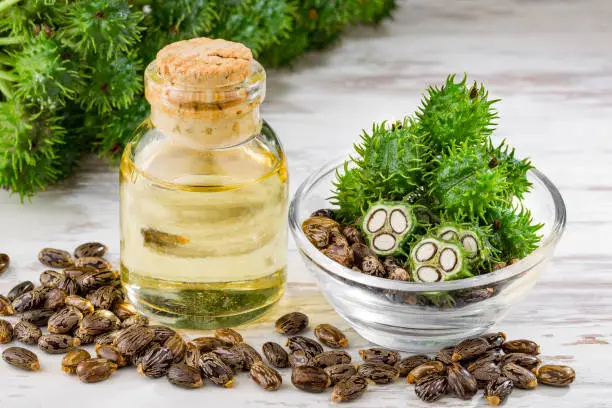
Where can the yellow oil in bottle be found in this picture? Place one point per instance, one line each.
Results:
(204, 238)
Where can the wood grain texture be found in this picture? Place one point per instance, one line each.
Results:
(550, 62)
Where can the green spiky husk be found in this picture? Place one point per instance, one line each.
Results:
(456, 113)
(78, 64)
(514, 231)
(389, 164)
(401, 239)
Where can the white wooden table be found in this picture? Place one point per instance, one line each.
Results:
(551, 62)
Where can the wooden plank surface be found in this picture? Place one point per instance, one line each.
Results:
(550, 61)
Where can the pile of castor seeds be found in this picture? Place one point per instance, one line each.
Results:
(84, 304)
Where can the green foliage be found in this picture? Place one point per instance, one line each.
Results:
(102, 27)
(28, 144)
(44, 78)
(388, 164)
(71, 70)
(113, 84)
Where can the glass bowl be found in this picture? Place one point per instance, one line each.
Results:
(424, 317)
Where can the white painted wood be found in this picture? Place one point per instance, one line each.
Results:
(551, 62)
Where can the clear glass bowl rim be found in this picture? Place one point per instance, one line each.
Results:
(549, 241)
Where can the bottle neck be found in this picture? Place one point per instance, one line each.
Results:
(207, 131)
(204, 118)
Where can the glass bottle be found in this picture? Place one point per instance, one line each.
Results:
(204, 192)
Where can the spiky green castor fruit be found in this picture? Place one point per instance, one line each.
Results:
(514, 231)
(389, 164)
(465, 183)
(514, 169)
(473, 239)
(433, 260)
(456, 113)
(387, 225)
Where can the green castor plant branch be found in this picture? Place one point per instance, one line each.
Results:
(74, 68)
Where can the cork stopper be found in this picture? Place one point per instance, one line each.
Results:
(204, 62)
(206, 92)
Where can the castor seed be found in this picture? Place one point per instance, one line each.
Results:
(125, 310)
(79, 303)
(324, 212)
(484, 371)
(177, 347)
(21, 358)
(19, 290)
(54, 299)
(156, 362)
(134, 320)
(352, 234)
(527, 361)
(215, 370)
(84, 338)
(94, 279)
(68, 286)
(291, 323)
(495, 340)
(98, 263)
(556, 375)
(111, 353)
(50, 278)
(65, 320)
(184, 376)
(90, 249)
(107, 338)
(207, 344)
(521, 346)
(72, 359)
(6, 332)
(27, 332)
(461, 382)
(5, 261)
(33, 299)
(445, 355)
(304, 343)
(57, 343)
(229, 336)
(349, 389)
(55, 258)
(95, 370)
(74, 273)
(98, 322)
(299, 358)
(520, 376)
(330, 336)
(232, 358)
(38, 317)
(266, 377)
(6, 307)
(132, 339)
(331, 358)
(310, 379)
(379, 373)
(431, 388)
(249, 355)
(424, 370)
(497, 390)
(470, 348)
(275, 354)
(340, 372)
(104, 297)
(380, 355)
(406, 365)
